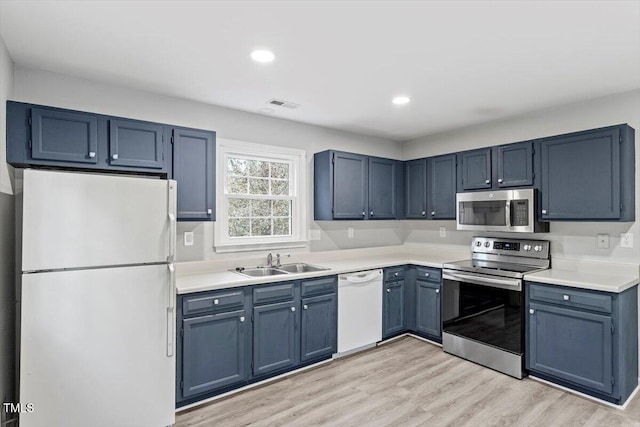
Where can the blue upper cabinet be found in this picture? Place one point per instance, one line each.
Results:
(515, 164)
(416, 189)
(194, 170)
(136, 144)
(352, 186)
(475, 167)
(442, 187)
(63, 136)
(385, 188)
(589, 175)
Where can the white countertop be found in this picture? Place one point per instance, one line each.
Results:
(210, 275)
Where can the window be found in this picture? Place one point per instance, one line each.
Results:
(260, 196)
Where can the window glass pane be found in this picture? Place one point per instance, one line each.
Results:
(238, 207)
(237, 185)
(258, 186)
(281, 227)
(238, 227)
(279, 188)
(260, 208)
(261, 227)
(237, 166)
(258, 168)
(280, 170)
(281, 208)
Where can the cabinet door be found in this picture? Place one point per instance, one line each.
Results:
(476, 169)
(383, 188)
(442, 187)
(319, 330)
(428, 308)
(393, 308)
(416, 189)
(274, 337)
(515, 165)
(349, 186)
(213, 352)
(64, 136)
(136, 144)
(194, 170)
(581, 176)
(572, 345)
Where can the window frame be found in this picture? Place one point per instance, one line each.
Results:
(297, 161)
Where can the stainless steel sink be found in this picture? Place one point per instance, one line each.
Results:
(301, 267)
(260, 272)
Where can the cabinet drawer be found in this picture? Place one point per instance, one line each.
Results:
(429, 274)
(326, 285)
(393, 273)
(223, 300)
(265, 294)
(595, 301)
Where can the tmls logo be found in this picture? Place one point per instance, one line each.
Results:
(17, 408)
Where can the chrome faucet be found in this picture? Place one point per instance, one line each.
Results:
(269, 260)
(278, 265)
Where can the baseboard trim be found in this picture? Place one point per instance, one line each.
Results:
(250, 386)
(586, 396)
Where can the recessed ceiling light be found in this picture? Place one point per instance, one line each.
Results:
(262, 56)
(400, 100)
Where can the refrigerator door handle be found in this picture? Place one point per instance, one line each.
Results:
(171, 211)
(171, 311)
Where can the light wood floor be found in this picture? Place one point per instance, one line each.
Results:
(407, 383)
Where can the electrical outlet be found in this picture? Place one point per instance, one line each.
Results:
(603, 241)
(626, 240)
(350, 232)
(443, 232)
(314, 235)
(188, 238)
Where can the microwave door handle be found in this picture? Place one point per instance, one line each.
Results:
(509, 213)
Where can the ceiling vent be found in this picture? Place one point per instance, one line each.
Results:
(281, 103)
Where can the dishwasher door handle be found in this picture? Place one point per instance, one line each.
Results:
(359, 278)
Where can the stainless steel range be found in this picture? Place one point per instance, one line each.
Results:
(483, 301)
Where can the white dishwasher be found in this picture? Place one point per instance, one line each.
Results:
(359, 311)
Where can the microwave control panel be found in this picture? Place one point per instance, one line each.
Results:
(520, 212)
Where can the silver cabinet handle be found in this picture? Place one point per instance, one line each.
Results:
(242, 319)
(426, 274)
(216, 302)
(544, 211)
(486, 181)
(114, 157)
(92, 154)
(500, 180)
(371, 213)
(293, 309)
(306, 307)
(209, 211)
(424, 213)
(396, 274)
(388, 290)
(531, 311)
(565, 297)
(363, 213)
(437, 291)
(433, 213)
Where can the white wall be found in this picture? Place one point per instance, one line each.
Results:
(7, 225)
(40, 87)
(569, 240)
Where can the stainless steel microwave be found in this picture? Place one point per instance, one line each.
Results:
(504, 210)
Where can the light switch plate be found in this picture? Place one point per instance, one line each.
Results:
(443, 232)
(350, 232)
(314, 235)
(603, 241)
(626, 240)
(188, 238)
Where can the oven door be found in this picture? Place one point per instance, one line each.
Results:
(485, 309)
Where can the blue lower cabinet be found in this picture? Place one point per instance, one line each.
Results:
(428, 319)
(275, 343)
(213, 352)
(585, 340)
(318, 334)
(393, 308)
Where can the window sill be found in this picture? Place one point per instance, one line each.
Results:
(220, 249)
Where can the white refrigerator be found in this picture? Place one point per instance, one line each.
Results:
(96, 300)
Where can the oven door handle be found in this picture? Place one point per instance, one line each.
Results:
(515, 284)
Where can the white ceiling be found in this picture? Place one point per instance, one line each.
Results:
(460, 62)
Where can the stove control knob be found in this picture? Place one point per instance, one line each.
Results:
(527, 247)
(487, 244)
(537, 248)
(478, 243)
